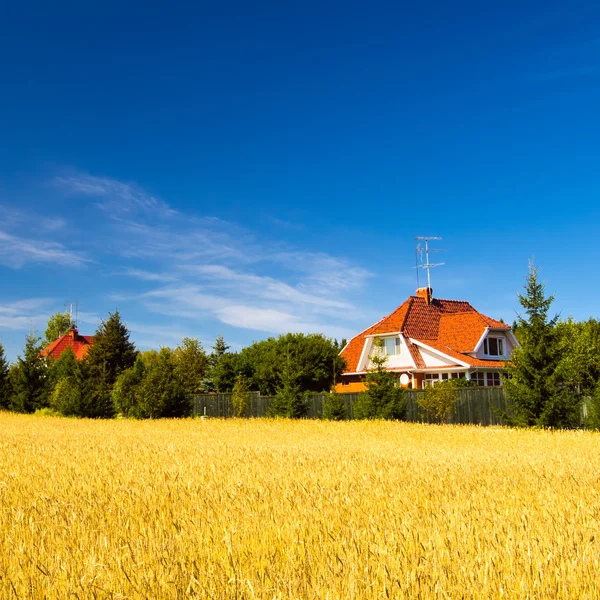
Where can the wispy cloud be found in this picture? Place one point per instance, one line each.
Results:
(24, 314)
(116, 195)
(15, 252)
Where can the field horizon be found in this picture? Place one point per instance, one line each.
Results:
(266, 508)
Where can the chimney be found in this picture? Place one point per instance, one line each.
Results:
(426, 293)
(73, 333)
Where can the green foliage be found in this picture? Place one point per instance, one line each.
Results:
(593, 419)
(5, 391)
(66, 398)
(316, 359)
(111, 354)
(334, 407)
(58, 325)
(288, 401)
(439, 400)
(161, 393)
(47, 412)
(240, 398)
(28, 380)
(383, 398)
(127, 389)
(537, 395)
(218, 351)
(191, 365)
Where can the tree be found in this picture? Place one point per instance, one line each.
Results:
(334, 407)
(218, 351)
(4, 381)
(288, 401)
(191, 365)
(383, 398)
(111, 354)
(66, 397)
(127, 389)
(58, 325)
(439, 400)
(536, 394)
(29, 378)
(240, 398)
(161, 392)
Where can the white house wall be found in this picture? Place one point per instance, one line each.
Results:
(434, 360)
(507, 342)
(403, 359)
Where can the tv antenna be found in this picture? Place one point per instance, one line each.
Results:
(423, 249)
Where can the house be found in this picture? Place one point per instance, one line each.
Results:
(428, 340)
(80, 344)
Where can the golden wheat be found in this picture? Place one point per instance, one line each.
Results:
(281, 509)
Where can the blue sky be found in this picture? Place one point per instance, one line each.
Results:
(248, 169)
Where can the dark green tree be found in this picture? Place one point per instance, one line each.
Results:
(383, 398)
(161, 392)
(334, 407)
(127, 389)
(5, 392)
(536, 393)
(289, 400)
(28, 380)
(111, 354)
(58, 325)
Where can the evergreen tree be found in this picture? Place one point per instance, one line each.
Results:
(191, 365)
(66, 397)
(111, 354)
(218, 351)
(289, 400)
(29, 379)
(383, 398)
(4, 382)
(127, 389)
(58, 325)
(334, 407)
(536, 394)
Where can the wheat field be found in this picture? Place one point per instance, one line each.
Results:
(306, 509)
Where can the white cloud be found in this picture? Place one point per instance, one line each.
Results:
(24, 314)
(16, 251)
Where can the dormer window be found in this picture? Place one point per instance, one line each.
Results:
(391, 346)
(493, 346)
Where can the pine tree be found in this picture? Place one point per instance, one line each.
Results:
(127, 389)
(29, 378)
(4, 382)
(191, 364)
(334, 407)
(289, 400)
(110, 355)
(536, 394)
(383, 398)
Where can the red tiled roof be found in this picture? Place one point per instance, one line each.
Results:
(453, 327)
(80, 344)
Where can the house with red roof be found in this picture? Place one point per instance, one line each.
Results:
(427, 340)
(80, 344)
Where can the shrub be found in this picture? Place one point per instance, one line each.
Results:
(334, 407)
(240, 398)
(66, 397)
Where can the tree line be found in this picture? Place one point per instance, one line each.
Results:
(116, 379)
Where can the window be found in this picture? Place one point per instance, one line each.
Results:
(458, 375)
(391, 346)
(493, 379)
(479, 378)
(489, 379)
(493, 346)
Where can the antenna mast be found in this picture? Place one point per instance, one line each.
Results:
(424, 249)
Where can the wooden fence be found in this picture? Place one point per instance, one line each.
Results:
(473, 405)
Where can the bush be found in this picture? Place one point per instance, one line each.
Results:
(240, 398)
(439, 401)
(66, 397)
(334, 407)
(126, 391)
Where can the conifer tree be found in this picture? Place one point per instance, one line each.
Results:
(29, 379)
(536, 394)
(110, 355)
(289, 400)
(4, 383)
(383, 398)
